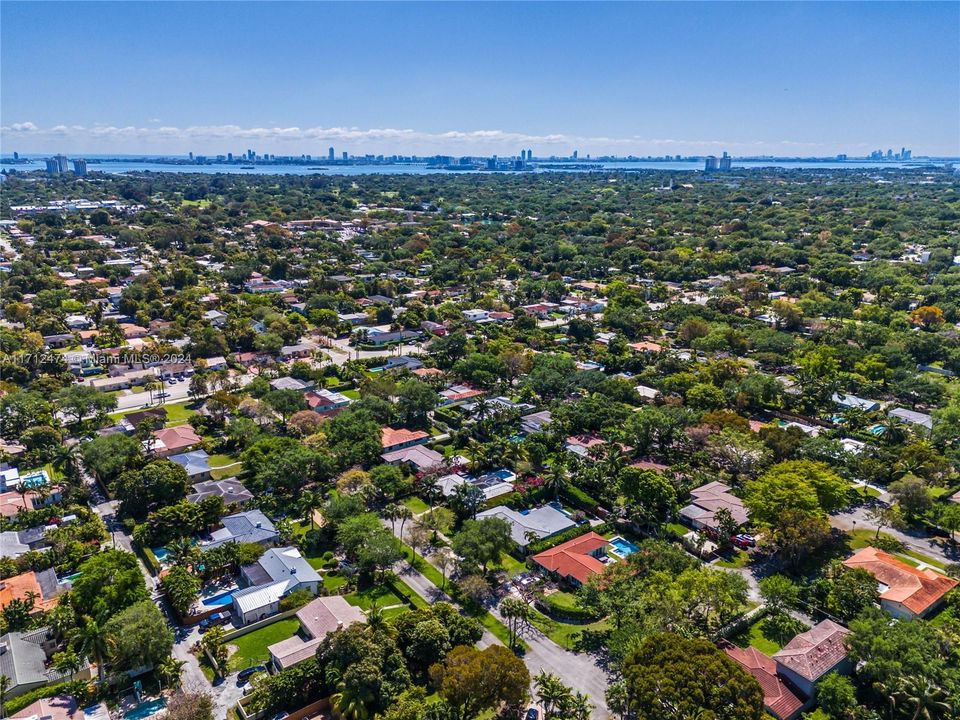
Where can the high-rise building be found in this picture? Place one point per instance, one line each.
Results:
(229, 157)
(907, 154)
(16, 156)
(575, 153)
(529, 155)
(345, 156)
(726, 162)
(190, 155)
(889, 154)
(250, 154)
(52, 167)
(711, 164)
(80, 168)
(330, 154)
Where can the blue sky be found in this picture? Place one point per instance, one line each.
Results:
(643, 78)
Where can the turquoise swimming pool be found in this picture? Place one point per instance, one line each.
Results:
(224, 598)
(621, 547)
(146, 709)
(35, 479)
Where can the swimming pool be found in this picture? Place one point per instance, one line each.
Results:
(224, 598)
(35, 479)
(146, 709)
(621, 547)
(160, 553)
(877, 429)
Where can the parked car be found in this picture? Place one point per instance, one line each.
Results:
(245, 675)
(742, 543)
(220, 618)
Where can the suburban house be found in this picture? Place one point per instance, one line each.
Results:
(852, 402)
(780, 699)
(24, 659)
(812, 655)
(154, 416)
(399, 439)
(577, 560)
(404, 362)
(278, 572)
(417, 456)
(40, 584)
(380, 339)
(911, 417)
(526, 526)
(905, 591)
(581, 445)
(492, 485)
(196, 463)
(458, 393)
(173, 440)
(290, 383)
(706, 501)
(326, 402)
(230, 490)
(14, 543)
(535, 422)
(61, 707)
(317, 618)
(250, 526)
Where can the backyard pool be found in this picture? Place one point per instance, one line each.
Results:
(160, 553)
(35, 479)
(224, 598)
(877, 429)
(621, 547)
(146, 709)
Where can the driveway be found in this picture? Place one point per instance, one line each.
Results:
(578, 671)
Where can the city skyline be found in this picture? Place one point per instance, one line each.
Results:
(784, 79)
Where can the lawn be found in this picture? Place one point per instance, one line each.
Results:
(219, 460)
(178, 413)
(416, 504)
(739, 560)
(224, 472)
(332, 582)
(352, 394)
(513, 566)
(753, 636)
(678, 529)
(381, 596)
(864, 538)
(252, 647)
(566, 635)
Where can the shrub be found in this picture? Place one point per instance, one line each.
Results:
(570, 534)
(579, 499)
(561, 606)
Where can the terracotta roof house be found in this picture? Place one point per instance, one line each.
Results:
(42, 584)
(398, 439)
(61, 707)
(318, 618)
(11, 503)
(813, 654)
(905, 591)
(780, 700)
(173, 440)
(576, 560)
(706, 500)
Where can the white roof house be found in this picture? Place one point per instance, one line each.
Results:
(542, 522)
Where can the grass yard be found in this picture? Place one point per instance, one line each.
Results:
(513, 566)
(566, 635)
(738, 560)
(224, 472)
(753, 636)
(416, 504)
(352, 394)
(219, 460)
(332, 582)
(677, 529)
(251, 649)
(864, 538)
(178, 413)
(381, 595)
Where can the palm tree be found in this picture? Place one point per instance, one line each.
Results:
(580, 707)
(22, 489)
(348, 704)
(66, 460)
(310, 501)
(928, 700)
(181, 552)
(93, 640)
(552, 692)
(150, 386)
(403, 514)
(556, 479)
(170, 670)
(391, 512)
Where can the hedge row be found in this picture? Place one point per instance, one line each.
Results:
(150, 560)
(78, 688)
(564, 611)
(580, 500)
(570, 534)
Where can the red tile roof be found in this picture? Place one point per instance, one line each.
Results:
(573, 558)
(178, 437)
(917, 590)
(391, 438)
(816, 652)
(778, 697)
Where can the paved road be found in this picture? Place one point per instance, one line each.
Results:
(177, 392)
(918, 540)
(225, 695)
(578, 671)
(340, 351)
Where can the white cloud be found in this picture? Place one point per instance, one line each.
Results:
(214, 139)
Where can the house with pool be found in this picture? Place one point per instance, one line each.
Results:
(278, 572)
